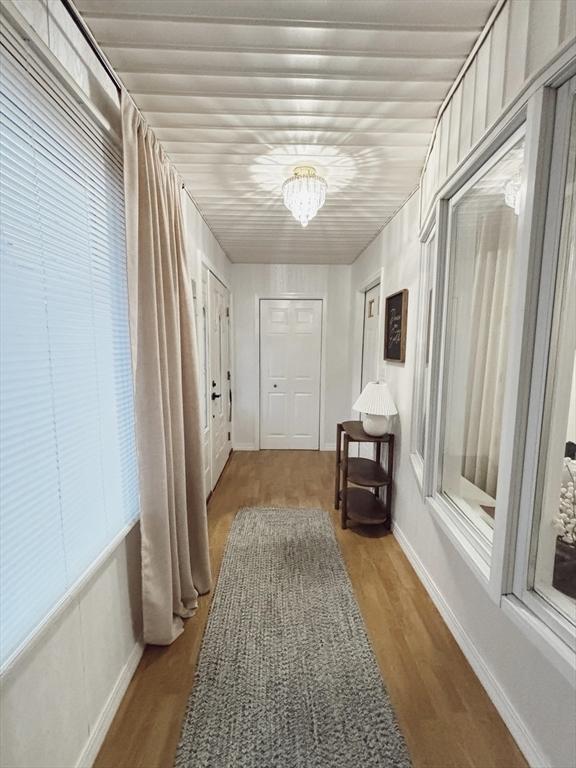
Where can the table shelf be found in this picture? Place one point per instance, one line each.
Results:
(358, 504)
(367, 472)
(365, 508)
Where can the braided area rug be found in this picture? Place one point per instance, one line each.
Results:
(286, 676)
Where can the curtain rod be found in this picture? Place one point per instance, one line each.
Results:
(92, 42)
(121, 89)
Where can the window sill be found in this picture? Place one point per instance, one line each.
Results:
(552, 647)
(71, 594)
(418, 468)
(457, 529)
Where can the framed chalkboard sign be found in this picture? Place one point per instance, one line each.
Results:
(395, 317)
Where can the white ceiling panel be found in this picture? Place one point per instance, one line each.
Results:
(239, 92)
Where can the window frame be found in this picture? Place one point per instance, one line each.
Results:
(551, 290)
(493, 561)
(48, 74)
(425, 324)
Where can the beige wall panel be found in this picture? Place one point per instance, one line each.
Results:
(481, 89)
(543, 32)
(516, 52)
(36, 14)
(496, 67)
(443, 138)
(454, 137)
(467, 116)
(567, 20)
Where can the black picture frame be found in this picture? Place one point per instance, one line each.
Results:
(395, 321)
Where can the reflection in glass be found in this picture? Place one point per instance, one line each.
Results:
(424, 365)
(555, 570)
(483, 233)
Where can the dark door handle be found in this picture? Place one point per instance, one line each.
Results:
(214, 395)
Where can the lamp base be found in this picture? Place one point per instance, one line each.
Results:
(376, 426)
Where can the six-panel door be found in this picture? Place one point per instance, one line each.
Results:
(290, 359)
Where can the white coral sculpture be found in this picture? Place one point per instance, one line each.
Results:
(565, 521)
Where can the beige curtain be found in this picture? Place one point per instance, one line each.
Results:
(491, 293)
(175, 562)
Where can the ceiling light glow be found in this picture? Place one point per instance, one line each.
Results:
(304, 193)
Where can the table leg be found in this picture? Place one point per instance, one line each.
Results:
(345, 482)
(390, 476)
(377, 458)
(338, 453)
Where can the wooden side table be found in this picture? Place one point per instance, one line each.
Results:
(361, 505)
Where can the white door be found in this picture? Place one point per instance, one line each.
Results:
(370, 350)
(370, 340)
(290, 354)
(202, 332)
(219, 385)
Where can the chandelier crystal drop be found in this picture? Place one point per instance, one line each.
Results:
(513, 192)
(304, 193)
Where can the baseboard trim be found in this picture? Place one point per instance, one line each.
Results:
(508, 713)
(98, 734)
(244, 447)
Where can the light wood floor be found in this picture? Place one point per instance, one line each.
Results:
(446, 716)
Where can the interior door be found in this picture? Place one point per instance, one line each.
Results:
(370, 340)
(202, 330)
(220, 384)
(290, 359)
(370, 350)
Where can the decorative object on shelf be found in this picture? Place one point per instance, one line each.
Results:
(395, 319)
(304, 193)
(361, 505)
(564, 574)
(377, 408)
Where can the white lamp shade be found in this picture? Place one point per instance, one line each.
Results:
(376, 400)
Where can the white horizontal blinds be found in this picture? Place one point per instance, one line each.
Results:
(67, 454)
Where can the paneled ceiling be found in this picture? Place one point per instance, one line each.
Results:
(241, 91)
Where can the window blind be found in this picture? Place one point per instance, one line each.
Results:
(68, 475)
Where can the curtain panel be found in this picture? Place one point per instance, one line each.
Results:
(175, 556)
(490, 311)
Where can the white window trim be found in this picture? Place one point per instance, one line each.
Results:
(532, 490)
(20, 33)
(470, 540)
(421, 379)
(532, 614)
(532, 121)
(552, 647)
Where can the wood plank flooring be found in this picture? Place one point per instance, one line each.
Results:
(447, 718)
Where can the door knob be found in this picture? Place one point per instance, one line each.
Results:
(214, 395)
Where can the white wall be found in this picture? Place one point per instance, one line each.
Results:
(537, 701)
(59, 697)
(252, 281)
(507, 662)
(202, 246)
(524, 38)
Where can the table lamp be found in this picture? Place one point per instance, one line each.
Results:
(377, 408)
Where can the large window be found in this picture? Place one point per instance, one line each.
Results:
(67, 455)
(546, 575)
(482, 236)
(503, 481)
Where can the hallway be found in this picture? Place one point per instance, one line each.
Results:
(239, 238)
(447, 718)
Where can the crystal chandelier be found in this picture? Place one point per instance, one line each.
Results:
(304, 193)
(512, 193)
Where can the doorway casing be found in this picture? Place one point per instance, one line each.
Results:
(317, 295)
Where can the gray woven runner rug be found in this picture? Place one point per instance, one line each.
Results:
(286, 676)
